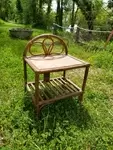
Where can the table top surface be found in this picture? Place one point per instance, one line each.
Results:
(53, 63)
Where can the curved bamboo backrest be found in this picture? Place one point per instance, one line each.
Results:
(45, 44)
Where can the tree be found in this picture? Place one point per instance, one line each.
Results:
(73, 16)
(19, 6)
(5, 7)
(33, 10)
(29, 11)
(49, 6)
(19, 11)
(87, 8)
(60, 11)
(110, 4)
(110, 20)
(49, 14)
(40, 4)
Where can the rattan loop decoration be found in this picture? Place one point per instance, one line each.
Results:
(48, 46)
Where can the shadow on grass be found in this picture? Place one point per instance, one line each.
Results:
(62, 113)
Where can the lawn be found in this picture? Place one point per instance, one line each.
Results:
(64, 125)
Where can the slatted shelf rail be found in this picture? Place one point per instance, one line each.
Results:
(54, 89)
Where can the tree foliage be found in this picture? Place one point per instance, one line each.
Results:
(19, 6)
(110, 4)
(5, 8)
(89, 8)
(39, 13)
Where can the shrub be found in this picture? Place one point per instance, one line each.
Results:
(103, 59)
(1, 22)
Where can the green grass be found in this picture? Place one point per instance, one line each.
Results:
(64, 125)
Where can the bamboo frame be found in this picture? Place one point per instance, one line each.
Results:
(49, 89)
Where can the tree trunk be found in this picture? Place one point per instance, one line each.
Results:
(49, 7)
(40, 4)
(61, 14)
(90, 21)
(33, 5)
(58, 10)
(86, 8)
(72, 17)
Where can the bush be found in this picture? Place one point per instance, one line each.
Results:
(103, 59)
(1, 22)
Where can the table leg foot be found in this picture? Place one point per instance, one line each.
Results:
(80, 97)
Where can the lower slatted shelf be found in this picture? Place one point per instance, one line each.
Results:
(56, 88)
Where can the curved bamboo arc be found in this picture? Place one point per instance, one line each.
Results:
(45, 36)
(49, 49)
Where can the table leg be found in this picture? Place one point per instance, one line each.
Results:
(84, 83)
(25, 75)
(64, 74)
(37, 92)
(46, 77)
